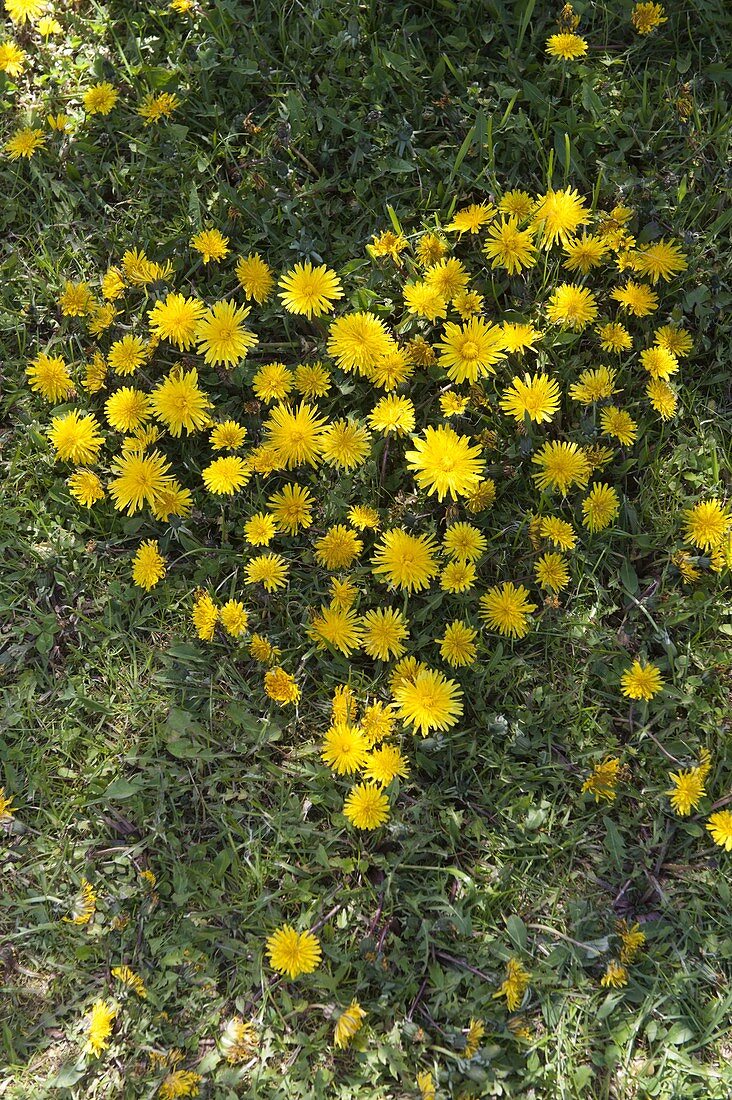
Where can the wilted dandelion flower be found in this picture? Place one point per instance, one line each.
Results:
(269, 570)
(348, 1023)
(238, 1041)
(706, 524)
(509, 247)
(600, 507)
(426, 1085)
(129, 978)
(309, 290)
(176, 319)
(100, 99)
(212, 245)
(603, 780)
(514, 985)
(615, 976)
(506, 608)
(85, 904)
(255, 277)
(646, 17)
(154, 107)
(536, 396)
(345, 748)
(687, 790)
(406, 561)
(384, 632)
(720, 827)
(222, 336)
(429, 702)
(561, 465)
(457, 644)
(566, 46)
(148, 565)
(366, 806)
(632, 940)
(641, 681)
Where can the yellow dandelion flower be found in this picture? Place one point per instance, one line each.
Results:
(222, 336)
(212, 245)
(269, 570)
(384, 632)
(457, 644)
(600, 507)
(506, 608)
(566, 46)
(470, 351)
(514, 985)
(406, 561)
(148, 565)
(255, 277)
(429, 702)
(348, 1023)
(345, 748)
(366, 806)
(100, 99)
(99, 1027)
(561, 465)
(641, 681)
(720, 827)
(310, 291)
(706, 524)
(509, 247)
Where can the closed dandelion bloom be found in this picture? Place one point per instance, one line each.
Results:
(345, 444)
(537, 397)
(687, 790)
(615, 976)
(706, 524)
(85, 905)
(12, 59)
(647, 16)
(348, 1023)
(345, 748)
(423, 299)
(600, 507)
(457, 644)
(292, 508)
(470, 351)
(76, 299)
(154, 107)
(309, 290)
(273, 382)
(269, 570)
(384, 632)
(75, 438)
(255, 277)
(618, 424)
(260, 529)
(176, 319)
(674, 339)
(471, 219)
(239, 1040)
(594, 385)
(211, 244)
(101, 319)
(180, 1083)
(406, 561)
(148, 565)
(583, 253)
(445, 463)
(180, 404)
(476, 1031)
(641, 681)
(204, 615)
(337, 548)
(514, 985)
(86, 487)
(463, 542)
(614, 337)
(566, 46)
(363, 517)
(426, 1085)
(127, 409)
(313, 380)
(99, 1026)
(139, 480)
(572, 306)
(227, 436)
(636, 298)
(280, 686)
(458, 576)
(393, 414)
(358, 341)
(429, 702)
(127, 354)
(49, 376)
(343, 705)
(659, 362)
(295, 434)
(632, 940)
(337, 628)
(720, 827)
(509, 247)
(222, 336)
(559, 214)
(366, 806)
(100, 99)
(561, 465)
(551, 572)
(234, 618)
(384, 765)
(129, 978)
(559, 532)
(506, 608)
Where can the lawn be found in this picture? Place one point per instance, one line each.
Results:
(167, 801)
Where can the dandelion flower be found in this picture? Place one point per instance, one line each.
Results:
(470, 351)
(85, 905)
(509, 247)
(674, 339)
(384, 632)
(344, 748)
(100, 99)
(127, 354)
(559, 214)
(313, 380)
(445, 463)
(506, 608)
(406, 561)
(471, 219)
(337, 628)
(273, 382)
(463, 542)
(614, 337)
(212, 245)
(180, 1082)
(269, 570)
(514, 986)
(293, 953)
(75, 438)
(86, 487)
(384, 764)
(20, 10)
(363, 517)
(292, 508)
(687, 790)
(646, 17)
(720, 826)
(348, 1023)
(619, 424)
(632, 940)
(176, 319)
(260, 529)
(204, 616)
(706, 524)
(583, 253)
(457, 644)
(429, 702)
(661, 260)
(129, 978)
(457, 576)
(423, 299)
(99, 1027)
(148, 565)
(641, 681)
(603, 780)
(659, 362)
(426, 1085)
(179, 402)
(393, 414)
(517, 338)
(593, 385)
(234, 618)
(561, 465)
(49, 376)
(358, 340)
(12, 59)
(566, 46)
(227, 436)
(222, 336)
(600, 507)
(345, 444)
(662, 398)
(537, 397)
(295, 434)
(280, 686)
(309, 290)
(615, 976)
(559, 532)
(448, 277)
(139, 480)
(366, 806)
(572, 306)
(255, 277)
(338, 547)
(636, 298)
(238, 1041)
(551, 572)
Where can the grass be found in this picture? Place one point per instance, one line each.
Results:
(129, 747)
